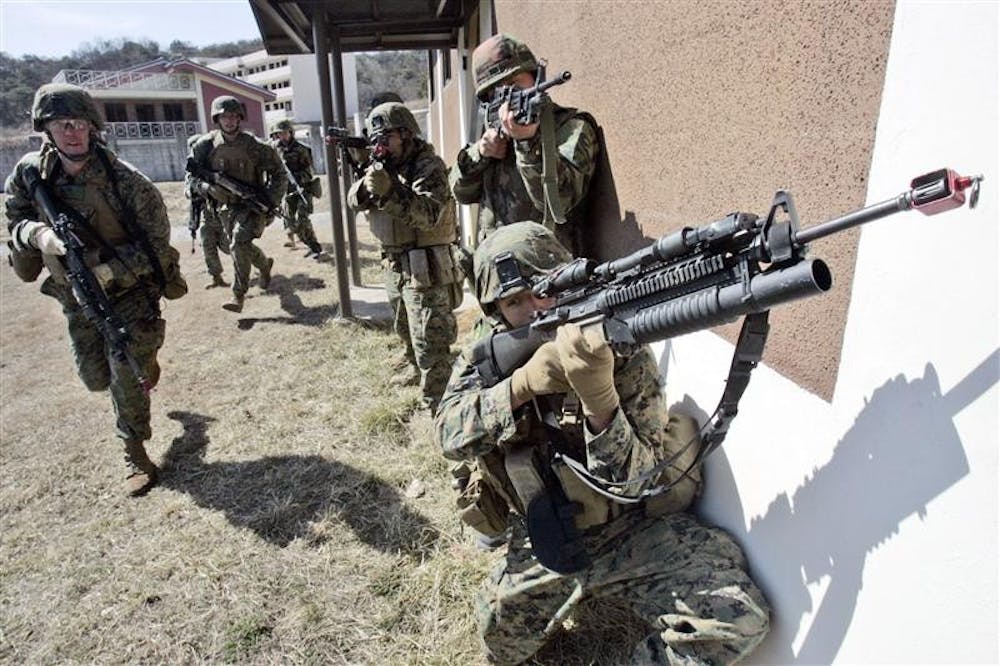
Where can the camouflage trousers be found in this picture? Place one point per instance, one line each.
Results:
(139, 309)
(297, 219)
(424, 320)
(688, 581)
(214, 239)
(244, 228)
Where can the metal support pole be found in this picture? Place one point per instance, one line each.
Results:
(332, 179)
(340, 107)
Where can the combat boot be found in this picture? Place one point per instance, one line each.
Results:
(217, 281)
(234, 305)
(314, 251)
(265, 274)
(142, 473)
(290, 242)
(408, 376)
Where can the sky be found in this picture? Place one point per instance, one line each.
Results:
(56, 28)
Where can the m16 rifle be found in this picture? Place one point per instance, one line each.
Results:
(339, 137)
(68, 225)
(697, 278)
(196, 209)
(525, 104)
(248, 195)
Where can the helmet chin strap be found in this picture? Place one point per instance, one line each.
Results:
(72, 158)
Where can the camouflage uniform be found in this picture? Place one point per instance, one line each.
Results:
(214, 238)
(254, 163)
(416, 226)
(111, 196)
(688, 580)
(298, 158)
(510, 190)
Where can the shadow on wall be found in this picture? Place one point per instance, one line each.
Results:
(902, 451)
(283, 498)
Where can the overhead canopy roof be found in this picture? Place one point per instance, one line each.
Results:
(363, 25)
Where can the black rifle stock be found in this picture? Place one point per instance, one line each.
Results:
(86, 288)
(250, 196)
(697, 278)
(526, 104)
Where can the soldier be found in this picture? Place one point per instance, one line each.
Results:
(298, 158)
(606, 416)
(255, 166)
(214, 238)
(126, 231)
(405, 192)
(502, 171)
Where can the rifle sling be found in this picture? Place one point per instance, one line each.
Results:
(554, 213)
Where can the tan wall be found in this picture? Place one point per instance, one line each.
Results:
(709, 107)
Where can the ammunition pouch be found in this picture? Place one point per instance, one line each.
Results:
(315, 187)
(481, 507)
(175, 285)
(434, 266)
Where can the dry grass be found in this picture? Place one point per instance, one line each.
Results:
(282, 532)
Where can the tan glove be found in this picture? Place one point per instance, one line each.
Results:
(44, 238)
(542, 374)
(104, 274)
(589, 365)
(377, 182)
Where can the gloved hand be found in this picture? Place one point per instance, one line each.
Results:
(104, 274)
(542, 374)
(377, 182)
(41, 236)
(212, 191)
(493, 144)
(589, 365)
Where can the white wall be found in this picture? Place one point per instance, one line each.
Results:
(307, 105)
(871, 521)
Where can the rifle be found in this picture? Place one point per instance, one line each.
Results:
(295, 185)
(194, 217)
(68, 225)
(525, 104)
(697, 278)
(345, 142)
(248, 195)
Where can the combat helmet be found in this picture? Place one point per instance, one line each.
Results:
(284, 125)
(497, 58)
(383, 97)
(62, 100)
(227, 104)
(388, 116)
(534, 250)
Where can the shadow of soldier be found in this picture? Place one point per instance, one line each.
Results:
(286, 288)
(902, 451)
(284, 498)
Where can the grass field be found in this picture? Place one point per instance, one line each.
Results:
(305, 515)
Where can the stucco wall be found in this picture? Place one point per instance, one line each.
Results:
(709, 107)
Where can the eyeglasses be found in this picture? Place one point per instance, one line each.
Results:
(67, 125)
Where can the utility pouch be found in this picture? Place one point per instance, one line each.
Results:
(27, 264)
(420, 268)
(593, 509)
(175, 285)
(443, 265)
(316, 187)
(555, 541)
(481, 508)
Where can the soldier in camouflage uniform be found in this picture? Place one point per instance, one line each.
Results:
(248, 160)
(502, 171)
(128, 237)
(214, 238)
(298, 158)
(689, 581)
(405, 192)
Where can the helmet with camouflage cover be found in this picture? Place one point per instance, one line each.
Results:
(534, 250)
(383, 97)
(62, 100)
(388, 116)
(283, 125)
(497, 58)
(227, 104)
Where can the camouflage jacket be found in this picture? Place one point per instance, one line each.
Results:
(420, 194)
(476, 422)
(510, 190)
(92, 193)
(298, 159)
(262, 169)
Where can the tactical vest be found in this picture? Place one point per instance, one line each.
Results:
(396, 236)
(234, 160)
(296, 158)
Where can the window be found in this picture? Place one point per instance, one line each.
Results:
(145, 113)
(114, 112)
(173, 111)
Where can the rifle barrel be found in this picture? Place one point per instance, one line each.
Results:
(855, 218)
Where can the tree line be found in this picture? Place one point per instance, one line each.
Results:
(399, 71)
